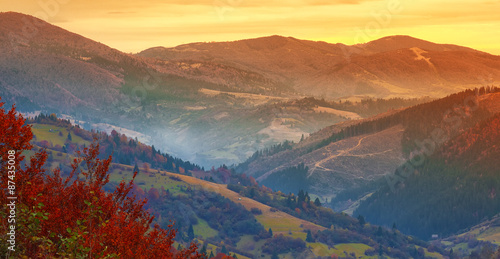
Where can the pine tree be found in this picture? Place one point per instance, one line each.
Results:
(69, 136)
(153, 151)
(361, 220)
(270, 232)
(289, 201)
(252, 192)
(379, 231)
(301, 197)
(317, 202)
(136, 168)
(190, 232)
(204, 249)
(309, 237)
(224, 250)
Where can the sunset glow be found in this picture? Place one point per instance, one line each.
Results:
(133, 26)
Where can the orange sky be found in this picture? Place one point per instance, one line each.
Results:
(132, 26)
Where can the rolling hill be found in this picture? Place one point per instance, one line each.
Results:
(487, 231)
(219, 216)
(454, 189)
(357, 153)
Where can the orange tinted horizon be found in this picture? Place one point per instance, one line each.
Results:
(132, 26)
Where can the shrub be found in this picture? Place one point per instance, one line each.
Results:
(284, 244)
(256, 211)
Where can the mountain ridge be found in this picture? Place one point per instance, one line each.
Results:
(225, 102)
(387, 67)
(377, 45)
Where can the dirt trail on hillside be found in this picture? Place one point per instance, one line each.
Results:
(333, 154)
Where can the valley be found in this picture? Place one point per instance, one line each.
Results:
(158, 186)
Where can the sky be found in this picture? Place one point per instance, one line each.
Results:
(132, 26)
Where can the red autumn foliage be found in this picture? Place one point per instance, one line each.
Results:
(74, 217)
(153, 194)
(478, 141)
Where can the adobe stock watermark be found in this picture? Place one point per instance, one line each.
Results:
(380, 19)
(11, 202)
(222, 7)
(452, 117)
(30, 28)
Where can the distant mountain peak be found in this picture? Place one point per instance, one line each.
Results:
(400, 37)
(396, 42)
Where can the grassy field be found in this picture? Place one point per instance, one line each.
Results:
(146, 180)
(203, 229)
(486, 231)
(432, 254)
(51, 134)
(358, 249)
(491, 235)
(320, 249)
(247, 244)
